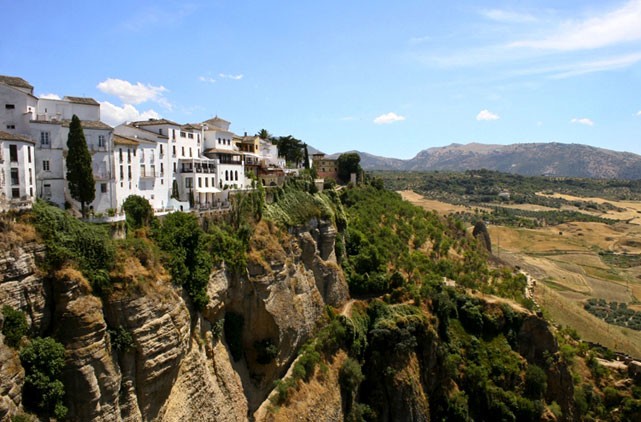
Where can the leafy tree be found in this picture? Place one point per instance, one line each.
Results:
(189, 263)
(290, 148)
(15, 325)
(82, 185)
(348, 163)
(43, 361)
(480, 232)
(264, 134)
(138, 211)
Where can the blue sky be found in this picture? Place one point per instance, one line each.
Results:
(382, 77)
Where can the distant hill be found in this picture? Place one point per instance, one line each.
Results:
(533, 159)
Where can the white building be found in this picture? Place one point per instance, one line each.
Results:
(171, 165)
(17, 177)
(218, 144)
(50, 130)
(17, 105)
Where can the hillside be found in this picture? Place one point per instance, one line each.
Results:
(347, 304)
(532, 159)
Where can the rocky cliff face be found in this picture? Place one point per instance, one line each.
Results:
(175, 366)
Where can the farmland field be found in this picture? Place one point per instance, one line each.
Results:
(573, 262)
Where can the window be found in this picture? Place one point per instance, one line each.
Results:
(190, 152)
(11, 126)
(102, 142)
(182, 134)
(103, 187)
(161, 152)
(173, 148)
(120, 154)
(183, 151)
(200, 182)
(174, 167)
(162, 169)
(160, 131)
(206, 182)
(9, 106)
(122, 174)
(15, 178)
(226, 175)
(190, 135)
(143, 171)
(129, 172)
(189, 182)
(13, 153)
(236, 175)
(29, 154)
(44, 139)
(46, 191)
(15, 193)
(128, 155)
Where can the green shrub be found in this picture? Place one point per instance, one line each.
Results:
(183, 241)
(535, 382)
(15, 325)
(68, 239)
(138, 211)
(266, 350)
(43, 360)
(121, 339)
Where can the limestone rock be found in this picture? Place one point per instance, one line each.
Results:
(160, 326)
(11, 381)
(91, 378)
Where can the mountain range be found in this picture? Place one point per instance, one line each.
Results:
(530, 159)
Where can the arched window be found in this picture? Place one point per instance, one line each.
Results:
(226, 175)
(236, 178)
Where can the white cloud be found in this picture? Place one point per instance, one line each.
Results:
(207, 79)
(486, 115)
(114, 115)
(615, 27)
(639, 113)
(229, 76)
(508, 16)
(582, 121)
(51, 97)
(388, 118)
(134, 94)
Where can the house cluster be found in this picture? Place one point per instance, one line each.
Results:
(174, 166)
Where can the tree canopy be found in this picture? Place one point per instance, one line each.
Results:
(290, 148)
(82, 185)
(348, 163)
(138, 211)
(264, 134)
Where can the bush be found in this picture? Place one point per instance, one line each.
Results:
(43, 361)
(121, 339)
(68, 239)
(266, 351)
(535, 382)
(138, 211)
(15, 325)
(186, 257)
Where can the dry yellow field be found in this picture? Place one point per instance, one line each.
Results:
(439, 207)
(632, 209)
(565, 261)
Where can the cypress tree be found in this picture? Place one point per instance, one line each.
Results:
(82, 185)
